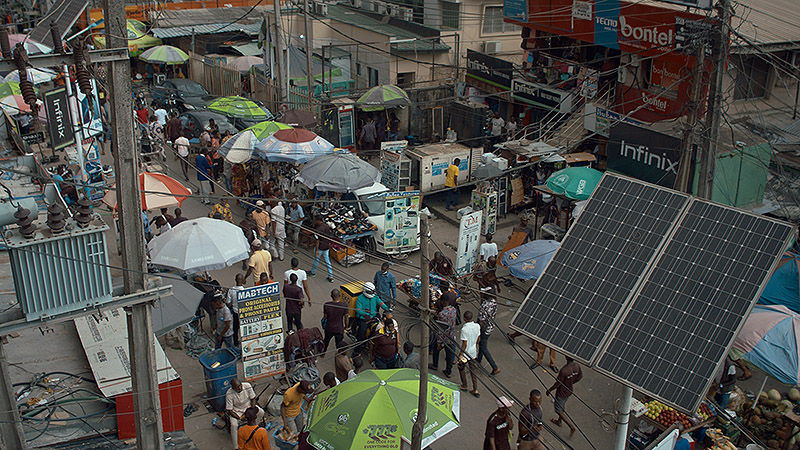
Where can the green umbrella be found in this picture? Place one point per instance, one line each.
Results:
(9, 88)
(164, 54)
(576, 183)
(383, 96)
(238, 107)
(377, 409)
(265, 129)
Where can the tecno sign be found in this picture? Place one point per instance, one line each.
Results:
(652, 35)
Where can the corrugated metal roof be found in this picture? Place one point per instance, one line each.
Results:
(214, 28)
(249, 49)
(169, 18)
(357, 18)
(765, 21)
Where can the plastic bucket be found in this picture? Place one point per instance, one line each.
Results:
(218, 379)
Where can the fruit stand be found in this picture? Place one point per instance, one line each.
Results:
(663, 416)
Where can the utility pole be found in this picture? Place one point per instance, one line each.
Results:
(309, 49)
(683, 181)
(623, 418)
(279, 51)
(141, 340)
(11, 433)
(705, 186)
(425, 316)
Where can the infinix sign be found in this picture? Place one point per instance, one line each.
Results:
(644, 154)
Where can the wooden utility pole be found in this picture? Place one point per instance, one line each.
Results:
(683, 182)
(141, 340)
(705, 185)
(279, 51)
(425, 316)
(309, 50)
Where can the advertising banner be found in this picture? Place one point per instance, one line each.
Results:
(261, 331)
(647, 155)
(401, 221)
(542, 95)
(606, 22)
(515, 9)
(59, 121)
(495, 71)
(469, 237)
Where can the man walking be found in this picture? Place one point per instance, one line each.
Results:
(412, 357)
(488, 248)
(368, 135)
(203, 176)
(224, 332)
(322, 245)
(296, 216)
(499, 427)
(470, 334)
(451, 181)
(486, 316)
(233, 305)
(334, 314)
(252, 436)
(223, 209)
(278, 241)
(294, 303)
(445, 338)
(262, 220)
(385, 284)
(294, 418)
(238, 399)
(260, 262)
(302, 277)
(182, 148)
(568, 375)
(530, 424)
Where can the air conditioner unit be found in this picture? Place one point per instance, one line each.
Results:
(406, 14)
(392, 9)
(380, 7)
(491, 47)
(320, 9)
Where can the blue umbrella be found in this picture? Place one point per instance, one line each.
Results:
(770, 339)
(529, 260)
(783, 287)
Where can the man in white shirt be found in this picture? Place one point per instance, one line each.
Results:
(182, 147)
(233, 303)
(488, 248)
(238, 398)
(302, 277)
(497, 125)
(470, 334)
(278, 239)
(161, 114)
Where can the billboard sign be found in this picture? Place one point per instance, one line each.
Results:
(401, 221)
(469, 236)
(606, 23)
(261, 331)
(647, 155)
(495, 71)
(59, 120)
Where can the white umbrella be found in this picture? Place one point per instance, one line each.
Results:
(239, 147)
(198, 245)
(36, 76)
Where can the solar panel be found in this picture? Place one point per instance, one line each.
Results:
(581, 293)
(691, 305)
(64, 13)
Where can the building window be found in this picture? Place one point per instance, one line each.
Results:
(373, 77)
(451, 13)
(358, 69)
(752, 78)
(493, 21)
(406, 79)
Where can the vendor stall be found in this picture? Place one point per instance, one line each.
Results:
(350, 228)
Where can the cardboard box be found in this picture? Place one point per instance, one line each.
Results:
(338, 255)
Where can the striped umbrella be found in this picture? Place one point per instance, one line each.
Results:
(157, 190)
(383, 96)
(31, 46)
(244, 63)
(164, 54)
(238, 107)
(770, 339)
(37, 76)
(14, 104)
(239, 148)
(266, 128)
(295, 146)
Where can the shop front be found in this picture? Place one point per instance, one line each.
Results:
(541, 100)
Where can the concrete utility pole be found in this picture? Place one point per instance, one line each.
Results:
(705, 186)
(141, 341)
(309, 50)
(684, 181)
(11, 433)
(279, 51)
(425, 315)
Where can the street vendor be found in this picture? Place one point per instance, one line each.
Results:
(366, 308)
(441, 265)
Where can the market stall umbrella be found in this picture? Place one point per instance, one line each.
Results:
(164, 54)
(199, 245)
(486, 171)
(138, 41)
(338, 172)
(529, 260)
(298, 118)
(15, 104)
(238, 107)
(344, 416)
(9, 88)
(576, 183)
(267, 128)
(244, 63)
(295, 146)
(239, 148)
(37, 76)
(383, 97)
(770, 339)
(30, 46)
(157, 191)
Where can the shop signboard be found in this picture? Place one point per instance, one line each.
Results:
(644, 154)
(59, 121)
(588, 80)
(401, 221)
(515, 10)
(582, 10)
(542, 95)
(606, 23)
(469, 236)
(599, 120)
(495, 71)
(261, 331)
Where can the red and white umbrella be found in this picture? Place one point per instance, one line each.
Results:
(31, 46)
(295, 145)
(157, 190)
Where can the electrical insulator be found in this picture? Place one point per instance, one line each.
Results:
(5, 44)
(20, 57)
(26, 227)
(56, 37)
(81, 73)
(28, 93)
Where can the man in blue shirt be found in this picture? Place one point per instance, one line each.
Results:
(366, 308)
(296, 216)
(148, 232)
(385, 284)
(203, 170)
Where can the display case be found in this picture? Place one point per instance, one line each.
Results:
(484, 199)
